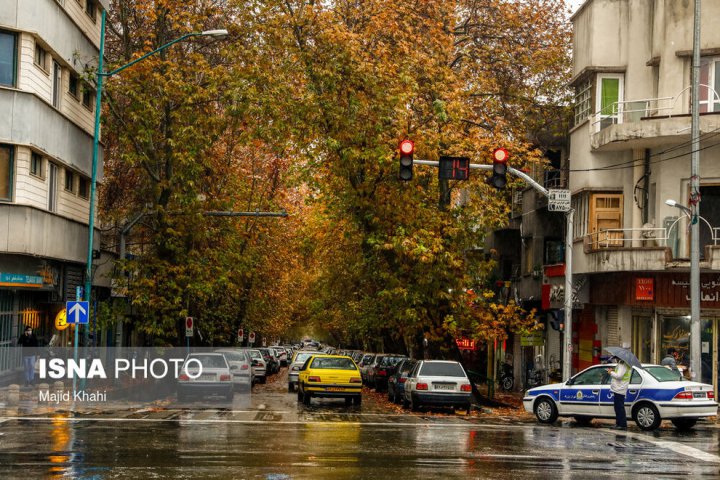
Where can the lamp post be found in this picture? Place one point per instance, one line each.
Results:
(695, 343)
(100, 75)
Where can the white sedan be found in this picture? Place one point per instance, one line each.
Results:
(656, 393)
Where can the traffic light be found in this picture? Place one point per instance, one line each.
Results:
(407, 148)
(498, 178)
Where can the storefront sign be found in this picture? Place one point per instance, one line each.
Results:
(534, 339)
(645, 289)
(19, 280)
(466, 344)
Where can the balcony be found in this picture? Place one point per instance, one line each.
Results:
(651, 122)
(643, 249)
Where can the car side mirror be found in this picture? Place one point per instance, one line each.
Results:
(569, 382)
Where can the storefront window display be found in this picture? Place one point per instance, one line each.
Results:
(675, 334)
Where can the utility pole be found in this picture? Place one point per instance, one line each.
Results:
(695, 357)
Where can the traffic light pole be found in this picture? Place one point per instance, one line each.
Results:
(569, 217)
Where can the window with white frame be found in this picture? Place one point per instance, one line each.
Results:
(583, 101)
(610, 95)
(709, 91)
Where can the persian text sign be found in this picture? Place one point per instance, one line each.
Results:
(466, 344)
(645, 289)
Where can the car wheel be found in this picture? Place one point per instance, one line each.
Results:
(405, 402)
(348, 400)
(358, 400)
(291, 387)
(306, 398)
(299, 394)
(391, 396)
(545, 410)
(508, 383)
(263, 379)
(582, 420)
(414, 404)
(468, 408)
(684, 423)
(647, 417)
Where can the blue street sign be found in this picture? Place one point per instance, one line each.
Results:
(77, 312)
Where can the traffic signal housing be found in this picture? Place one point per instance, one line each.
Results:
(499, 172)
(407, 149)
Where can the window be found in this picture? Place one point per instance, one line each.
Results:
(36, 165)
(91, 9)
(87, 96)
(709, 85)
(69, 181)
(583, 101)
(52, 186)
(8, 58)
(74, 85)
(40, 57)
(593, 376)
(6, 172)
(57, 84)
(554, 251)
(606, 218)
(609, 100)
(83, 187)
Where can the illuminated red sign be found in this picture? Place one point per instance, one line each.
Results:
(466, 344)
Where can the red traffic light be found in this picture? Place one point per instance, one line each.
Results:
(500, 155)
(407, 147)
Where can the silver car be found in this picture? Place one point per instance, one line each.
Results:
(243, 375)
(438, 383)
(294, 370)
(205, 374)
(258, 364)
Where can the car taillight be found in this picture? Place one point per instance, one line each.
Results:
(402, 380)
(711, 395)
(313, 379)
(686, 395)
(225, 378)
(421, 386)
(183, 377)
(355, 380)
(382, 372)
(244, 367)
(465, 388)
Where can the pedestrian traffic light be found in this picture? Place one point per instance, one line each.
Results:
(498, 178)
(407, 148)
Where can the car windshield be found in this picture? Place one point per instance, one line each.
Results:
(664, 374)
(208, 361)
(442, 370)
(391, 361)
(333, 363)
(301, 357)
(255, 354)
(367, 358)
(233, 356)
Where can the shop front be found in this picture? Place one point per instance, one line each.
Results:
(659, 306)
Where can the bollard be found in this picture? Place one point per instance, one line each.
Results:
(13, 397)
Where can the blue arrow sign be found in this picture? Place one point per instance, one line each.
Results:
(77, 312)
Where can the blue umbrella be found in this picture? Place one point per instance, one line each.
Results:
(625, 355)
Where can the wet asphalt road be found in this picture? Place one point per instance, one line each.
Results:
(267, 435)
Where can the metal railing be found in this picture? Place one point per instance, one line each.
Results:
(641, 237)
(636, 110)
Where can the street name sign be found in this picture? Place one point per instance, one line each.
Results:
(558, 200)
(78, 312)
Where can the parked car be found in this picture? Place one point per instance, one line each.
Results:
(396, 381)
(204, 375)
(656, 393)
(438, 383)
(258, 365)
(273, 366)
(296, 364)
(280, 355)
(243, 376)
(331, 376)
(380, 371)
(365, 364)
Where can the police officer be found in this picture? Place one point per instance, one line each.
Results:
(619, 386)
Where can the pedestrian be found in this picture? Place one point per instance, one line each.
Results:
(619, 386)
(669, 361)
(29, 342)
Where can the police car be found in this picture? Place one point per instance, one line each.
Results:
(655, 393)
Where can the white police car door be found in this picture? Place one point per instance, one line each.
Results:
(607, 397)
(581, 394)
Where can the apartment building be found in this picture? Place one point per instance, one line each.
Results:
(629, 153)
(48, 49)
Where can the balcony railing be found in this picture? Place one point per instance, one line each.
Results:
(662, 107)
(642, 237)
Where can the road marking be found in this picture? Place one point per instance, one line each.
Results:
(674, 446)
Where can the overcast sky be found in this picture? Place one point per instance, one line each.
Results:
(574, 4)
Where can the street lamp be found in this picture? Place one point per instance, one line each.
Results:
(220, 33)
(695, 343)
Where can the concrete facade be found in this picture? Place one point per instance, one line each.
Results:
(50, 48)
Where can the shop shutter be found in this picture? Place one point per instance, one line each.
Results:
(612, 327)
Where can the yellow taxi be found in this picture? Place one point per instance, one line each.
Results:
(334, 376)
